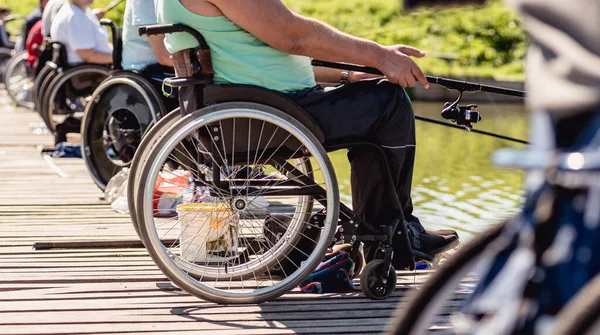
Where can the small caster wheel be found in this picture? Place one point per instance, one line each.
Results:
(373, 285)
(359, 261)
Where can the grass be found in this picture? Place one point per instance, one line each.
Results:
(462, 42)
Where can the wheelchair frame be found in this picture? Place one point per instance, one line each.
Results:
(194, 82)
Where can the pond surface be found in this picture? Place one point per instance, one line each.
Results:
(455, 185)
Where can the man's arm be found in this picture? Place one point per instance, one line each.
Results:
(158, 46)
(334, 76)
(273, 23)
(94, 57)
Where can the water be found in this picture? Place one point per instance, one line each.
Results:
(454, 184)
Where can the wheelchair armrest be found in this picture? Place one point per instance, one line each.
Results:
(117, 43)
(178, 82)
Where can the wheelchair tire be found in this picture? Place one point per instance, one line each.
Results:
(37, 86)
(373, 285)
(207, 278)
(131, 99)
(18, 83)
(581, 316)
(141, 157)
(42, 94)
(414, 317)
(57, 84)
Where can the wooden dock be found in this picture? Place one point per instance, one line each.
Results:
(121, 291)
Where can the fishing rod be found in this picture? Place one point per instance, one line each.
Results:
(463, 116)
(112, 5)
(451, 84)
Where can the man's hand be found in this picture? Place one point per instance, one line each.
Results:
(99, 12)
(399, 68)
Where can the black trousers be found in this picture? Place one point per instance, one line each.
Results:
(374, 111)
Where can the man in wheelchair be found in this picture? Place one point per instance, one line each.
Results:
(265, 44)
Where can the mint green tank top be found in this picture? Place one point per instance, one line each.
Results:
(237, 56)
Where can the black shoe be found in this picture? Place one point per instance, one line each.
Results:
(431, 242)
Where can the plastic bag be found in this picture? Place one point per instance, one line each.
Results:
(116, 191)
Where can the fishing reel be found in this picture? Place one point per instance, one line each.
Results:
(462, 115)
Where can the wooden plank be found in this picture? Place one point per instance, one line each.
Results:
(120, 290)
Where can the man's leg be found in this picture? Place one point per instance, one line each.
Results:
(370, 111)
(379, 112)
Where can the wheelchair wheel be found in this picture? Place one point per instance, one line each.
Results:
(140, 159)
(38, 85)
(235, 165)
(120, 112)
(377, 282)
(420, 313)
(49, 74)
(581, 316)
(18, 81)
(69, 92)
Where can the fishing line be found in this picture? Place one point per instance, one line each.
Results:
(476, 131)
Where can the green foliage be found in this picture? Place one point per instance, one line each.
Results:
(487, 42)
(23, 7)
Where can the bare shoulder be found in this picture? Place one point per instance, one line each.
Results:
(202, 7)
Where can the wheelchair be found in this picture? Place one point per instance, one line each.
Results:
(235, 197)
(8, 48)
(120, 112)
(61, 91)
(19, 80)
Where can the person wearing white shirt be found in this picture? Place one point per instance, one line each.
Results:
(78, 29)
(141, 51)
(50, 11)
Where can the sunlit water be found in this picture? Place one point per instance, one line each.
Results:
(455, 185)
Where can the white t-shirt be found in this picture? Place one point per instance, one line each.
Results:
(49, 13)
(137, 52)
(79, 30)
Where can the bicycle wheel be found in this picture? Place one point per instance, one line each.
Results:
(430, 302)
(18, 82)
(220, 247)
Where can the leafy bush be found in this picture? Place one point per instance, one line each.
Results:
(489, 41)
